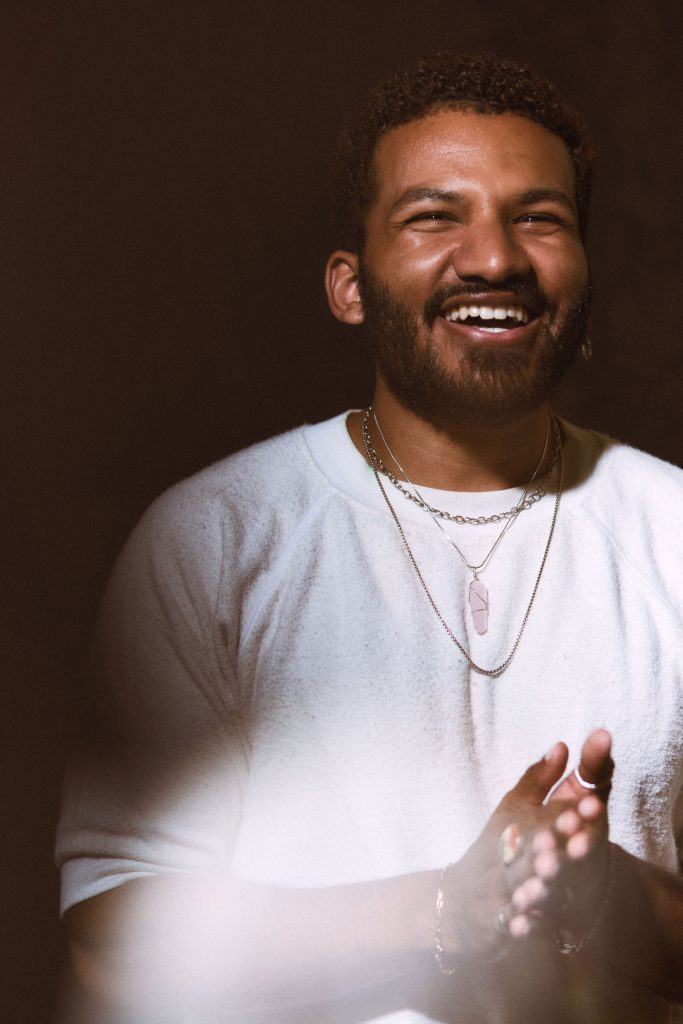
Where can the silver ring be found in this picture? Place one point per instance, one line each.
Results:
(511, 844)
(592, 786)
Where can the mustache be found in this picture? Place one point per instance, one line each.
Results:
(525, 289)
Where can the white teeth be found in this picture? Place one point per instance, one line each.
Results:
(518, 313)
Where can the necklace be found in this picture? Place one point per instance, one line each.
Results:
(477, 591)
(492, 673)
(525, 502)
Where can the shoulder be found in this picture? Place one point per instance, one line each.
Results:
(633, 498)
(245, 502)
(265, 473)
(615, 480)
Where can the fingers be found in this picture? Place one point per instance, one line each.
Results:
(596, 763)
(530, 894)
(577, 831)
(548, 853)
(595, 755)
(544, 880)
(537, 781)
(522, 925)
(595, 767)
(511, 924)
(591, 808)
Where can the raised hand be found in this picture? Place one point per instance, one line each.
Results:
(536, 864)
(570, 867)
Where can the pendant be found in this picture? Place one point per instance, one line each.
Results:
(479, 605)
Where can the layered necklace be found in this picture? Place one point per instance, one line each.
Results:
(477, 592)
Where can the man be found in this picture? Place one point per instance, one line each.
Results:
(331, 664)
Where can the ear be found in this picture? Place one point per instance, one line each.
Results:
(341, 285)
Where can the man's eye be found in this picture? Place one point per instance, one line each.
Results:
(540, 218)
(429, 215)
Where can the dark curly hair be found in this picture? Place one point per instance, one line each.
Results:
(481, 83)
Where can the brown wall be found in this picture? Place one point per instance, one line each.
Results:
(166, 164)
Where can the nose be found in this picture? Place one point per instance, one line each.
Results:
(489, 252)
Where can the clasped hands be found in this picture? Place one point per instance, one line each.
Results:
(536, 867)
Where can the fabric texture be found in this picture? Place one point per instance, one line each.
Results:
(303, 719)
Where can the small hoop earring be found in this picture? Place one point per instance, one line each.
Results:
(587, 350)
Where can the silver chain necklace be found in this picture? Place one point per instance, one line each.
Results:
(477, 591)
(525, 502)
(492, 673)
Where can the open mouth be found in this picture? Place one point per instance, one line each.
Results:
(489, 318)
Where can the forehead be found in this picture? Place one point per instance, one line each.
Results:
(494, 152)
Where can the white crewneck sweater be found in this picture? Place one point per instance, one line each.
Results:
(265, 612)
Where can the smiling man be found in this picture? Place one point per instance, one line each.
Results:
(394, 701)
(488, 258)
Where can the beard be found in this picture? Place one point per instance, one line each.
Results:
(490, 387)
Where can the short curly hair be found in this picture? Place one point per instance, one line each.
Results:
(482, 83)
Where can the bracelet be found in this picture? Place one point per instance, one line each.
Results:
(567, 948)
(439, 951)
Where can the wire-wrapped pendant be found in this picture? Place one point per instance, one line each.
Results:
(479, 605)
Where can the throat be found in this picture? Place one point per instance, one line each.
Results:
(473, 461)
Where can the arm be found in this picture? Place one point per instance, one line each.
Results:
(643, 930)
(163, 942)
(153, 939)
(174, 939)
(170, 940)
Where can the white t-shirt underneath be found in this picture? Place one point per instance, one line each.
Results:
(305, 719)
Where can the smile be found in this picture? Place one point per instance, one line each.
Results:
(481, 316)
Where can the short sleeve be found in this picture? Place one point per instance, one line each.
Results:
(159, 787)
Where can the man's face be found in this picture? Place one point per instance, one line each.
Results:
(473, 280)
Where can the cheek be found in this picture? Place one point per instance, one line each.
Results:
(563, 276)
(413, 267)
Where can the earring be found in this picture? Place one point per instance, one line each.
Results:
(587, 350)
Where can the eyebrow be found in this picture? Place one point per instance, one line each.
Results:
(430, 195)
(541, 195)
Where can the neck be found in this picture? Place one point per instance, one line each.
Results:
(459, 459)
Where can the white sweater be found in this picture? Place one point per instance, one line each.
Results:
(265, 613)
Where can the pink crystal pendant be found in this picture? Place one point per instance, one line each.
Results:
(479, 605)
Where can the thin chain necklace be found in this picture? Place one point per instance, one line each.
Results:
(522, 505)
(477, 591)
(492, 673)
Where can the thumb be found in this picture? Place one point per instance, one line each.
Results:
(537, 781)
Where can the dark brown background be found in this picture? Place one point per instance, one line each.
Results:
(166, 166)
